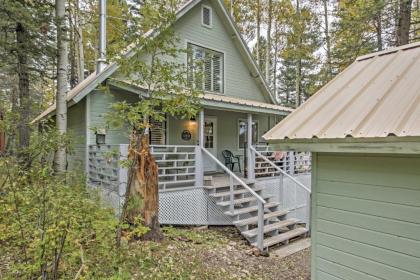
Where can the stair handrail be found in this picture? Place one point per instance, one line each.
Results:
(280, 170)
(228, 171)
(260, 200)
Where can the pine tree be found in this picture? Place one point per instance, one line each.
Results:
(26, 57)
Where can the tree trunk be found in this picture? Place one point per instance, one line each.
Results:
(61, 103)
(22, 38)
(327, 40)
(73, 59)
(276, 49)
(404, 20)
(142, 195)
(258, 32)
(268, 47)
(80, 53)
(378, 27)
(232, 5)
(298, 61)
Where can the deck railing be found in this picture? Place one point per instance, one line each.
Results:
(176, 164)
(285, 173)
(293, 163)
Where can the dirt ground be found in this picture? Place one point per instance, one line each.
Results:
(238, 260)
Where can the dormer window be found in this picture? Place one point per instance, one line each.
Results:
(206, 16)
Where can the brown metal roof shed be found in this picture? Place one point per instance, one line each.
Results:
(376, 97)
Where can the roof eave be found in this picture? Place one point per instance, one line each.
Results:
(377, 145)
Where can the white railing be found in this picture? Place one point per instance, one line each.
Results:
(291, 162)
(176, 165)
(260, 200)
(292, 178)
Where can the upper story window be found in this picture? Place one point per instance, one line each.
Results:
(206, 16)
(205, 69)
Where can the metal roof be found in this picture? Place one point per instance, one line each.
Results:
(246, 102)
(375, 97)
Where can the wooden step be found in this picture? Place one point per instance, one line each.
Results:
(270, 227)
(241, 200)
(235, 192)
(282, 237)
(251, 209)
(254, 220)
(221, 186)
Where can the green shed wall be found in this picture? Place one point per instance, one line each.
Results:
(366, 217)
(77, 129)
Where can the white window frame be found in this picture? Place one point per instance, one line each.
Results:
(246, 131)
(189, 43)
(210, 25)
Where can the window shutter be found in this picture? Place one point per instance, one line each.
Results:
(207, 72)
(157, 132)
(217, 73)
(198, 68)
(206, 13)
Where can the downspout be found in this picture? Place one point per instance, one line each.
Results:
(101, 62)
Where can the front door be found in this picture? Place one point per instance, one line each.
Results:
(210, 143)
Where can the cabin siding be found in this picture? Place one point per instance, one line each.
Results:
(77, 131)
(366, 216)
(238, 80)
(227, 130)
(100, 105)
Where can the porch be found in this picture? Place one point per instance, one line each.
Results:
(184, 200)
(267, 198)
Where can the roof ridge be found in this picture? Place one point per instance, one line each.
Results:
(388, 51)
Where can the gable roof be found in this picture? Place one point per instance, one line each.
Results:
(377, 96)
(94, 79)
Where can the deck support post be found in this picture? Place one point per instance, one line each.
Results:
(199, 164)
(231, 195)
(260, 236)
(250, 155)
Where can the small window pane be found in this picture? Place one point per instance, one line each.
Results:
(206, 16)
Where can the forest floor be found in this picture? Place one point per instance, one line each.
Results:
(221, 253)
(193, 253)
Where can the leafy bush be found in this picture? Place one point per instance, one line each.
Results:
(51, 226)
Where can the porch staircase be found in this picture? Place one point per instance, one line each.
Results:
(278, 228)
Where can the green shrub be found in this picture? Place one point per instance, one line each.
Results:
(51, 226)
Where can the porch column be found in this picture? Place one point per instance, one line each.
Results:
(199, 166)
(250, 155)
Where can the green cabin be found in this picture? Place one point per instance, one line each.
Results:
(363, 129)
(214, 169)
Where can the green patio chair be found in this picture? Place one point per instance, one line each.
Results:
(231, 160)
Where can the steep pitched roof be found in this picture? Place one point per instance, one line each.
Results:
(93, 80)
(378, 96)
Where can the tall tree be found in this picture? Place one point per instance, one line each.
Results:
(327, 39)
(166, 90)
(298, 33)
(22, 37)
(404, 21)
(268, 46)
(26, 54)
(62, 86)
(258, 35)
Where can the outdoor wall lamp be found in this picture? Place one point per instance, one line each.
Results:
(100, 136)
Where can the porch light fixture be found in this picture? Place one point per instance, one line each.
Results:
(100, 136)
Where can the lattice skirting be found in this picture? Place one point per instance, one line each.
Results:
(191, 206)
(284, 193)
